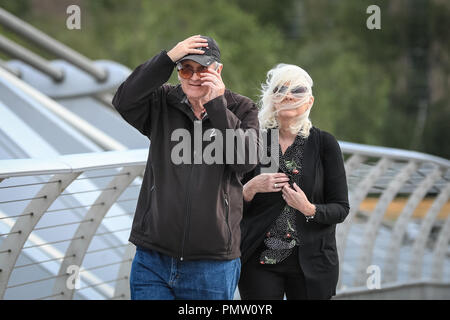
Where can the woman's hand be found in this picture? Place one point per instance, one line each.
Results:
(297, 199)
(187, 46)
(265, 182)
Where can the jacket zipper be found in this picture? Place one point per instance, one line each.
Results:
(188, 213)
(227, 213)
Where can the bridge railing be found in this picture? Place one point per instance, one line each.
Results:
(69, 218)
(400, 181)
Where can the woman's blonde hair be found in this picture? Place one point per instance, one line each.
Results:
(286, 76)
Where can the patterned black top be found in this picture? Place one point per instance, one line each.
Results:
(282, 237)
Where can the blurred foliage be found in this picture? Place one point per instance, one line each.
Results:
(384, 87)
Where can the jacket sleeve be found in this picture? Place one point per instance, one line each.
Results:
(222, 118)
(246, 178)
(135, 98)
(336, 206)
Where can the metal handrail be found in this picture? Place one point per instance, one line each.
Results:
(392, 153)
(13, 49)
(13, 71)
(71, 118)
(51, 45)
(417, 290)
(110, 159)
(56, 255)
(72, 163)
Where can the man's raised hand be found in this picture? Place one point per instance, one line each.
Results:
(187, 46)
(213, 80)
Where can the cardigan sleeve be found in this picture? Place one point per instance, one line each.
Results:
(336, 206)
(247, 177)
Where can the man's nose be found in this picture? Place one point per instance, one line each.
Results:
(196, 76)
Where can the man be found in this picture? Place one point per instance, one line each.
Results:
(186, 225)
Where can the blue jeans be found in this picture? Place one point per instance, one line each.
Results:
(155, 276)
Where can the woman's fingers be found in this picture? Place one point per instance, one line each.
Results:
(279, 186)
(281, 179)
(285, 193)
(277, 181)
(274, 186)
(297, 188)
(287, 190)
(270, 182)
(275, 175)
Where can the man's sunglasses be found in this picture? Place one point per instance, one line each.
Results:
(187, 72)
(295, 90)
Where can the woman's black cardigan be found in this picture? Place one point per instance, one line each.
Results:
(324, 183)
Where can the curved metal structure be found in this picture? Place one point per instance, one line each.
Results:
(389, 176)
(67, 170)
(18, 235)
(85, 232)
(62, 172)
(44, 41)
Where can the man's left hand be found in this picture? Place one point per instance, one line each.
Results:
(213, 80)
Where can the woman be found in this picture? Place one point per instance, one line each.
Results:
(288, 228)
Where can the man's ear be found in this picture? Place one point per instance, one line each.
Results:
(219, 68)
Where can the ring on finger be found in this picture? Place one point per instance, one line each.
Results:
(276, 186)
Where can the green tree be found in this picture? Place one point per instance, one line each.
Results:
(384, 87)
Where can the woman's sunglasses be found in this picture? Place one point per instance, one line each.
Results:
(295, 90)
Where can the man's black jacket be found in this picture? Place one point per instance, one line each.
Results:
(189, 211)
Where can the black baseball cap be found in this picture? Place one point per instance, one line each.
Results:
(212, 53)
